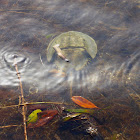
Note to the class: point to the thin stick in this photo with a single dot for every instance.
(7, 126)
(22, 99)
(34, 103)
(9, 106)
(46, 103)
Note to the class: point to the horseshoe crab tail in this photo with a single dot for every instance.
(59, 52)
(67, 60)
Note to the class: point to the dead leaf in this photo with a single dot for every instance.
(83, 102)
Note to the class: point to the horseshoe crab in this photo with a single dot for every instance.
(77, 47)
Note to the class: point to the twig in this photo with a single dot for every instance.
(22, 99)
(34, 103)
(46, 103)
(7, 126)
(9, 106)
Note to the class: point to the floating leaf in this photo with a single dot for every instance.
(83, 102)
(80, 110)
(33, 116)
(70, 116)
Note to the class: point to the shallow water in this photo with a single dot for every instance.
(110, 79)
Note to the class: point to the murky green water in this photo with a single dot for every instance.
(110, 80)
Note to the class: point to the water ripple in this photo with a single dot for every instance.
(7, 68)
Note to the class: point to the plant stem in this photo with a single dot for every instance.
(22, 99)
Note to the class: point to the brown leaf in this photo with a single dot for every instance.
(40, 122)
(83, 102)
(45, 117)
(48, 113)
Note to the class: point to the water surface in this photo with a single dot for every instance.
(111, 79)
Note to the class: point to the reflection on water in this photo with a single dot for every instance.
(110, 79)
